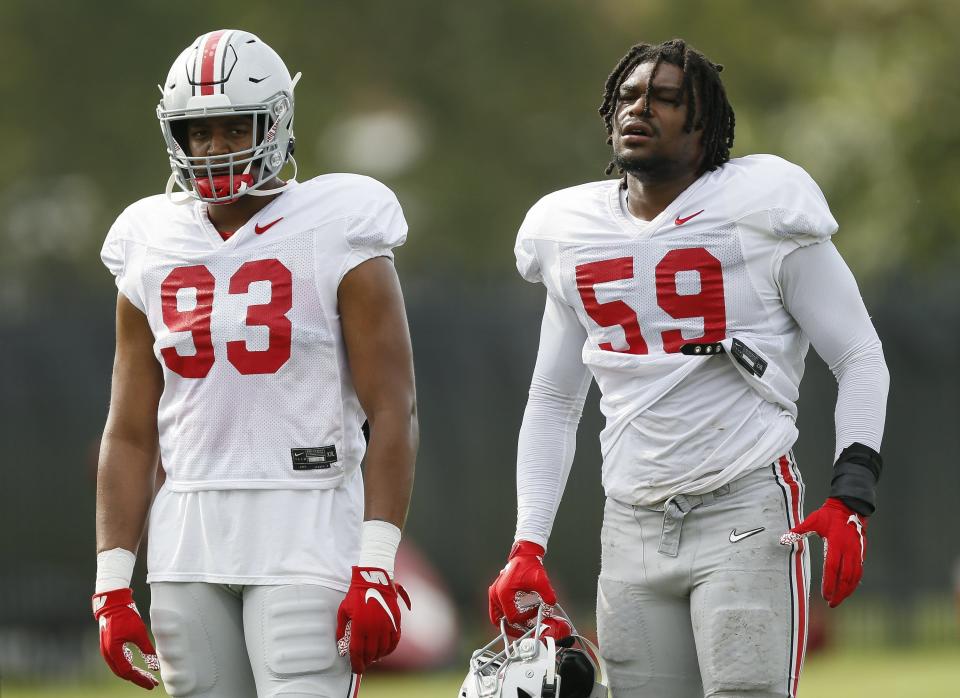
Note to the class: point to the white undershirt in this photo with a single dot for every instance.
(817, 289)
(277, 536)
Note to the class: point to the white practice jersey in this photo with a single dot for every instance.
(705, 271)
(259, 423)
(257, 391)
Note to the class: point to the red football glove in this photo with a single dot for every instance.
(520, 589)
(120, 622)
(368, 620)
(844, 534)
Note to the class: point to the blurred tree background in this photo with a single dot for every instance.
(471, 112)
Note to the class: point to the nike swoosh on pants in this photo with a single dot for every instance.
(737, 537)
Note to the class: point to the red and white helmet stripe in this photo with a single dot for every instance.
(212, 62)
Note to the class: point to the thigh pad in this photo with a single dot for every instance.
(298, 626)
(743, 632)
(188, 664)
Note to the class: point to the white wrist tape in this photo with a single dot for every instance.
(114, 570)
(379, 541)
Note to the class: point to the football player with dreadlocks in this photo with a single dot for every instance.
(690, 289)
(260, 323)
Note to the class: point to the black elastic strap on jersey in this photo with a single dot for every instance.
(855, 477)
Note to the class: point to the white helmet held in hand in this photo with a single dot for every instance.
(228, 73)
(536, 666)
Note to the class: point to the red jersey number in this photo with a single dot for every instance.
(272, 315)
(196, 321)
(614, 313)
(708, 303)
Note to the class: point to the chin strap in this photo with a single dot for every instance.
(185, 197)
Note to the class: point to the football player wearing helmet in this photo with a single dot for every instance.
(260, 324)
(535, 664)
(690, 289)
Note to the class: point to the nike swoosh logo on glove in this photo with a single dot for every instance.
(378, 597)
(855, 520)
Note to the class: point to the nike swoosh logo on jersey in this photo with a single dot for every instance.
(681, 221)
(261, 229)
(378, 597)
(737, 537)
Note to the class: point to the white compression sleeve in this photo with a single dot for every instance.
(548, 435)
(819, 291)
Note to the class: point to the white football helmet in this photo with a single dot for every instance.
(228, 72)
(534, 666)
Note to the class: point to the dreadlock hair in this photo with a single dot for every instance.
(701, 79)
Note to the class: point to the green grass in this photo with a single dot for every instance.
(887, 673)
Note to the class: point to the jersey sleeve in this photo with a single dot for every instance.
(781, 209)
(115, 255)
(527, 262)
(378, 229)
(795, 207)
(801, 209)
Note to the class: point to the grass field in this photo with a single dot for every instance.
(913, 673)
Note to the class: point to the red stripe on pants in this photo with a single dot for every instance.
(799, 586)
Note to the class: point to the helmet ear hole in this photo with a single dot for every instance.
(261, 126)
(179, 131)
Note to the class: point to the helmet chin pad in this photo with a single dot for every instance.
(577, 675)
(221, 186)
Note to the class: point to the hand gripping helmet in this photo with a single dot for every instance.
(536, 666)
(228, 73)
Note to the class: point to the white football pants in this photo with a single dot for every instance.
(230, 641)
(698, 598)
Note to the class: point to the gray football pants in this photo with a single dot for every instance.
(227, 641)
(698, 597)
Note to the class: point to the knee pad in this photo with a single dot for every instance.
(187, 662)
